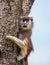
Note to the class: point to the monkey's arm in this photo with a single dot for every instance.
(29, 46)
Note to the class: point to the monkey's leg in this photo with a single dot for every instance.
(26, 61)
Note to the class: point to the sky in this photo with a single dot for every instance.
(40, 33)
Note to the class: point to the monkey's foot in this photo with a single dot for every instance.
(20, 44)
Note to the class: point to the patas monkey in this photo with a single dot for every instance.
(25, 32)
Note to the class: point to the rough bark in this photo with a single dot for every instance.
(10, 12)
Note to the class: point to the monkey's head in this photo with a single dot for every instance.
(26, 23)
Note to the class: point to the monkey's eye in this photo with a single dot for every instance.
(25, 20)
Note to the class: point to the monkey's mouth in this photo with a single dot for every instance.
(24, 26)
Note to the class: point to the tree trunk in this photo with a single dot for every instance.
(10, 12)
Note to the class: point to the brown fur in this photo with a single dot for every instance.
(29, 48)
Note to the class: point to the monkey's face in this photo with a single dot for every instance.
(26, 24)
